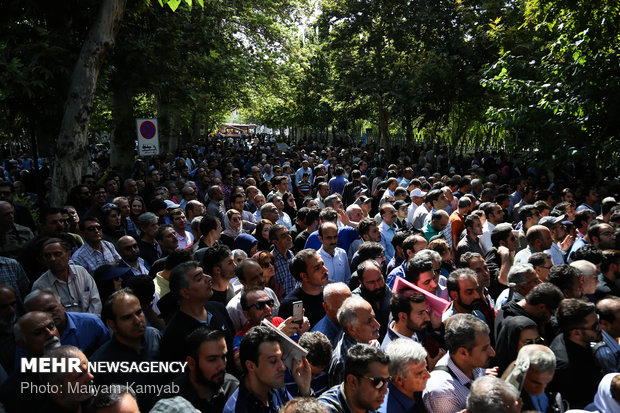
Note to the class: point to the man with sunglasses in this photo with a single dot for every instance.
(73, 284)
(365, 385)
(577, 374)
(129, 250)
(95, 252)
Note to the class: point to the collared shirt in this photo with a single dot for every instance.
(91, 259)
(398, 402)
(235, 312)
(12, 240)
(337, 265)
(336, 401)
(244, 401)
(162, 285)
(141, 270)
(12, 275)
(557, 256)
(485, 238)
(607, 353)
(283, 271)
(395, 273)
(419, 216)
(336, 184)
(387, 233)
(285, 220)
(185, 240)
(85, 331)
(445, 392)
(524, 255)
(329, 328)
(468, 244)
(79, 293)
(393, 335)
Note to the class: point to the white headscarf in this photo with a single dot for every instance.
(603, 401)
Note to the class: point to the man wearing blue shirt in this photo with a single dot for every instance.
(409, 376)
(261, 389)
(334, 295)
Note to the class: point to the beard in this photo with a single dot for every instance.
(376, 295)
(202, 379)
(472, 306)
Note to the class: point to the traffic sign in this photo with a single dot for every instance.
(148, 137)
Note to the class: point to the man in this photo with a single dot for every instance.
(218, 262)
(150, 250)
(308, 268)
(214, 207)
(457, 218)
(12, 236)
(438, 222)
(283, 217)
(205, 383)
(577, 374)
(189, 194)
(590, 199)
(166, 237)
(304, 168)
(538, 240)
(524, 279)
(411, 245)
(387, 228)
(262, 385)
(527, 200)
(541, 261)
(211, 230)
(539, 305)
(491, 394)
(368, 230)
(119, 398)
(129, 250)
(469, 349)
(373, 289)
(409, 376)
(192, 288)
(335, 258)
(365, 382)
(463, 289)
(250, 274)
(98, 199)
(322, 193)
(568, 279)
(610, 273)
(95, 252)
(540, 373)
(359, 325)
(194, 209)
(334, 295)
(471, 241)
(401, 215)
(338, 182)
(351, 188)
(82, 330)
(179, 223)
(607, 351)
(282, 242)
(417, 199)
(132, 341)
(127, 224)
(75, 286)
(500, 257)
(237, 201)
(495, 216)
(561, 241)
(529, 217)
(311, 223)
(21, 214)
(410, 317)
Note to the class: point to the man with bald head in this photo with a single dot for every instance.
(607, 351)
(83, 330)
(334, 295)
(538, 240)
(129, 250)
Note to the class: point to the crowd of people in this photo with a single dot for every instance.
(428, 281)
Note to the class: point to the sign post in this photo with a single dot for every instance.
(148, 137)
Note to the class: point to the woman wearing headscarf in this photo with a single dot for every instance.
(516, 332)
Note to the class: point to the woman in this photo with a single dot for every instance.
(289, 206)
(110, 278)
(261, 233)
(267, 262)
(516, 332)
(247, 243)
(442, 247)
(233, 227)
(111, 223)
(137, 208)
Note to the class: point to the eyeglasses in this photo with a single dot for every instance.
(93, 228)
(261, 304)
(379, 382)
(266, 264)
(595, 327)
(538, 340)
(437, 271)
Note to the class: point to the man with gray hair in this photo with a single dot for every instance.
(492, 395)
(589, 275)
(150, 250)
(540, 373)
(524, 279)
(469, 349)
(359, 325)
(334, 295)
(409, 376)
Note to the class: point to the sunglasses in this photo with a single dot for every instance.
(261, 304)
(595, 327)
(267, 264)
(379, 382)
(93, 228)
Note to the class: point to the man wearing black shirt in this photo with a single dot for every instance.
(307, 267)
(218, 262)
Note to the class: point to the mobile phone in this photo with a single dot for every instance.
(298, 312)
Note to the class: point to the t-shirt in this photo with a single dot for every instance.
(313, 304)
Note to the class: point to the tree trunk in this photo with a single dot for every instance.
(124, 137)
(71, 147)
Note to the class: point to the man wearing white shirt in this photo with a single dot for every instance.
(417, 199)
(495, 215)
(335, 258)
